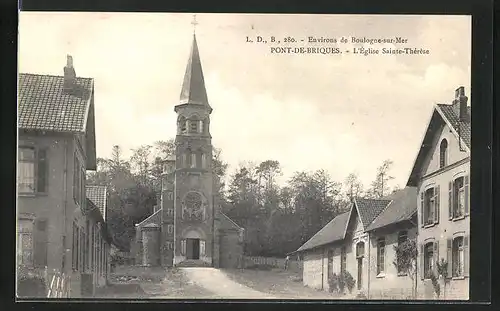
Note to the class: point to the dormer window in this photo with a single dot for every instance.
(443, 153)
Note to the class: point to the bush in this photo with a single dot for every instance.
(348, 280)
(435, 284)
(339, 282)
(30, 284)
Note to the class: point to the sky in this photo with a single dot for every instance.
(339, 112)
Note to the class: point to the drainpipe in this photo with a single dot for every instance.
(369, 267)
(322, 269)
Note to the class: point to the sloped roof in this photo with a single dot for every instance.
(98, 195)
(153, 218)
(332, 232)
(402, 207)
(227, 223)
(44, 105)
(193, 88)
(451, 113)
(369, 209)
(442, 114)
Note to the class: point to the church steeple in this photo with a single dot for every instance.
(193, 88)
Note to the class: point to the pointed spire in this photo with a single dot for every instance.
(193, 88)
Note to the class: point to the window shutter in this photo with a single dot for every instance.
(422, 267)
(450, 200)
(42, 171)
(75, 173)
(449, 256)
(436, 204)
(466, 190)
(422, 209)
(466, 255)
(436, 256)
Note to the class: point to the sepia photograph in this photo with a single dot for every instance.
(179, 156)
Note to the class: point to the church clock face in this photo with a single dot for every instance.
(194, 207)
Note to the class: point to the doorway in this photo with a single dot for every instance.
(193, 249)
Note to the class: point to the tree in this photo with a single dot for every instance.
(141, 163)
(354, 187)
(406, 261)
(380, 186)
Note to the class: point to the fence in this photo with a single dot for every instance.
(58, 284)
(293, 265)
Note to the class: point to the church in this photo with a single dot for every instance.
(188, 228)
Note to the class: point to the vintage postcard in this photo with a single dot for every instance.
(237, 156)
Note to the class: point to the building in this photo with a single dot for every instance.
(441, 174)
(189, 228)
(56, 146)
(361, 242)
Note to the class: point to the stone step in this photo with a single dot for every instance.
(192, 263)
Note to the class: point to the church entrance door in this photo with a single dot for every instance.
(193, 249)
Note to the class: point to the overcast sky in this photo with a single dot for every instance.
(344, 113)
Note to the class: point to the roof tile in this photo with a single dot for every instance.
(402, 207)
(44, 105)
(369, 209)
(332, 232)
(98, 195)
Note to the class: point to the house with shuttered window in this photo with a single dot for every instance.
(58, 227)
(441, 174)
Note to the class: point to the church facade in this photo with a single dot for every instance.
(188, 227)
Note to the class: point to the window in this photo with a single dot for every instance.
(81, 250)
(193, 126)
(25, 243)
(402, 238)
(170, 211)
(78, 181)
(428, 259)
(202, 247)
(458, 257)
(380, 255)
(75, 248)
(430, 206)
(184, 160)
(170, 229)
(201, 126)
(32, 170)
(330, 263)
(182, 125)
(458, 198)
(170, 195)
(193, 160)
(343, 259)
(443, 153)
(170, 246)
(360, 250)
(203, 160)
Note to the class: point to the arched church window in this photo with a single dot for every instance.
(184, 160)
(193, 160)
(201, 129)
(193, 126)
(203, 160)
(182, 125)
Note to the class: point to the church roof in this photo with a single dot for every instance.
(193, 88)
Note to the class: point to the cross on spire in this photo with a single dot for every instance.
(194, 23)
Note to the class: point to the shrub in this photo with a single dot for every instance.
(338, 282)
(435, 284)
(333, 283)
(349, 281)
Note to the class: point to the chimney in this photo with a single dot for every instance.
(461, 100)
(69, 74)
